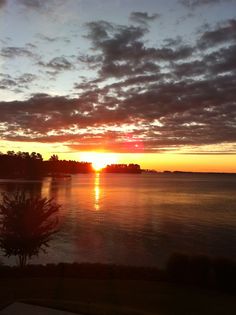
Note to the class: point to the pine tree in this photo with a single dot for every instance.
(26, 225)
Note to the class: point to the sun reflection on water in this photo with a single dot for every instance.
(97, 192)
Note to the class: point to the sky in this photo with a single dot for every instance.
(151, 82)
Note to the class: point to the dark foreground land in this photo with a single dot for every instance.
(188, 286)
(90, 296)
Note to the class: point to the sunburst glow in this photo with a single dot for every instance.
(99, 160)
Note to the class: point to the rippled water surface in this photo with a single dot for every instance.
(138, 219)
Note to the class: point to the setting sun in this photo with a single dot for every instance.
(99, 160)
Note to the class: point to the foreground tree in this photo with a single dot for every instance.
(26, 225)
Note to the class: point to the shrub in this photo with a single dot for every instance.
(26, 225)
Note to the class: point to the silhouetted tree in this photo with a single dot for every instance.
(55, 167)
(122, 168)
(54, 158)
(21, 165)
(26, 225)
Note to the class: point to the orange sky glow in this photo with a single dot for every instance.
(184, 161)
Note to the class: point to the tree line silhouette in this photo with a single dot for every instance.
(32, 166)
(123, 168)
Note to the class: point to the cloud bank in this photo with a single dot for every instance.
(142, 99)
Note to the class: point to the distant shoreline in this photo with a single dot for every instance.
(200, 173)
(68, 176)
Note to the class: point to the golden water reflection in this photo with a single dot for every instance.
(97, 192)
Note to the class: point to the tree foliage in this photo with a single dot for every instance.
(26, 225)
(32, 166)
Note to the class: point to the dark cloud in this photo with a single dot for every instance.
(144, 98)
(22, 81)
(99, 30)
(192, 4)
(3, 3)
(34, 4)
(222, 60)
(168, 54)
(91, 62)
(225, 32)
(173, 41)
(30, 46)
(164, 114)
(123, 51)
(49, 39)
(48, 8)
(215, 63)
(6, 84)
(143, 17)
(189, 69)
(12, 52)
(26, 78)
(58, 64)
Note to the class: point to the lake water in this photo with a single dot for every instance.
(138, 219)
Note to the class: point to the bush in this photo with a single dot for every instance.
(26, 225)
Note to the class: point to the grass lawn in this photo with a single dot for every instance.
(116, 296)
